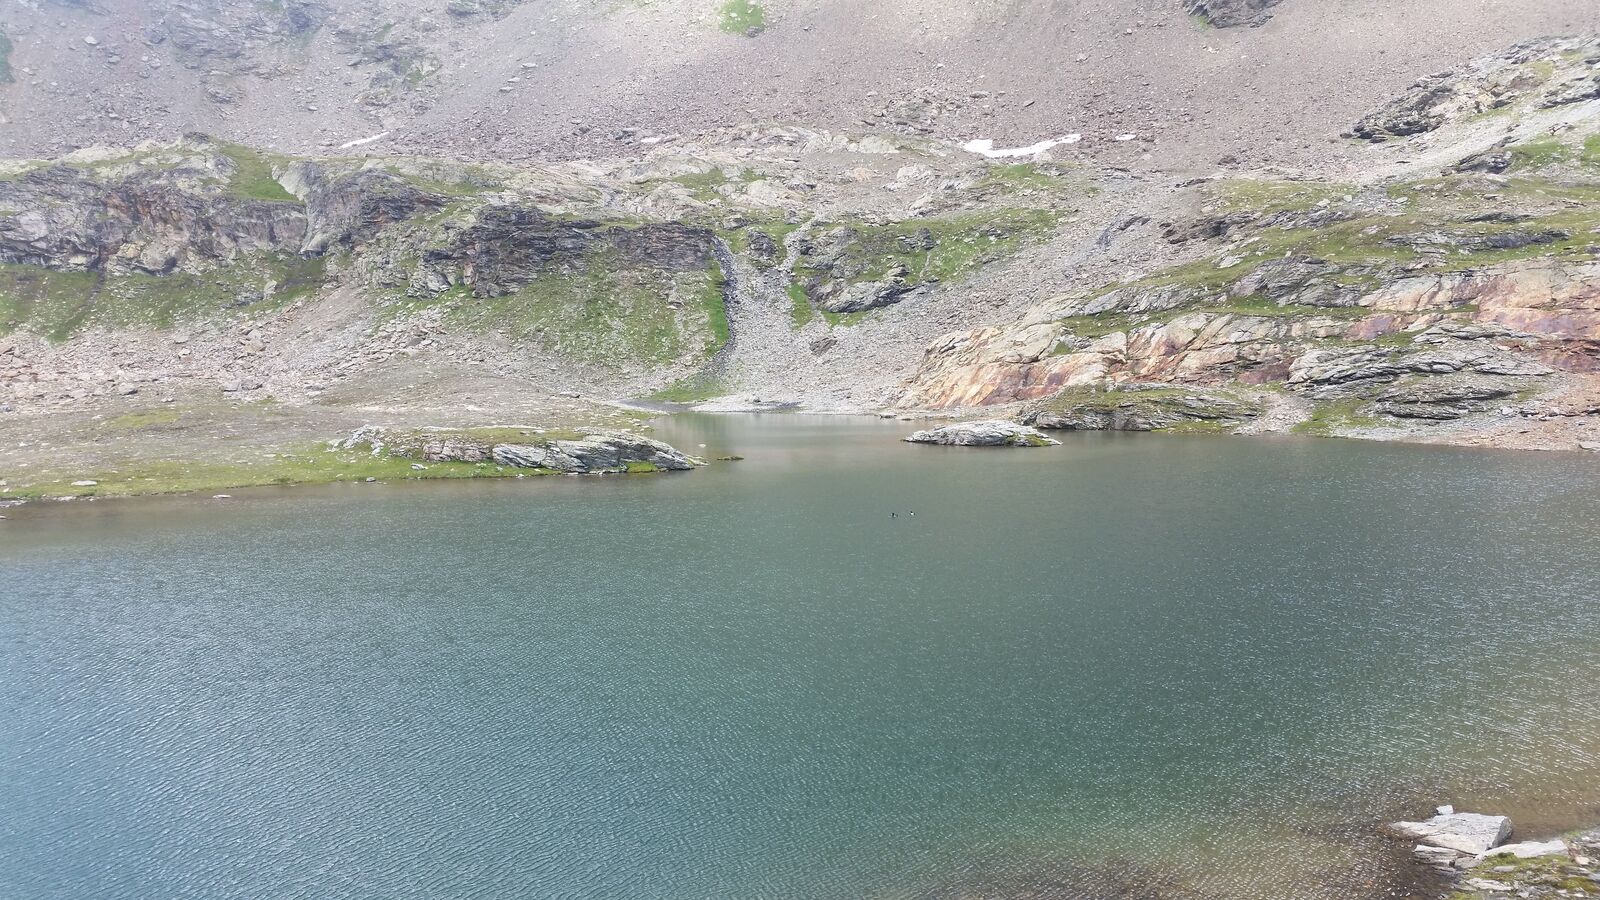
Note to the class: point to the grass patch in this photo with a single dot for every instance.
(316, 465)
(932, 249)
(252, 176)
(1590, 154)
(1539, 153)
(601, 309)
(1331, 418)
(694, 389)
(1026, 177)
(58, 305)
(800, 309)
(714, 301)
(1273, 196)
(703, 185)
(742, 17)
(139, 421)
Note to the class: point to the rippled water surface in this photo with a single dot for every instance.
(1167, 666)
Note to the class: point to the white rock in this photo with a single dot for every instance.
(91, 40)
(1531, 849)
(1466, 832)
(995, 433)
(85, 483)
(1446, 810)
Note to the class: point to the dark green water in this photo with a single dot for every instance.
(1208, 664)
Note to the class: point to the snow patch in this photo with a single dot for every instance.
(985, 147)
(359, 142)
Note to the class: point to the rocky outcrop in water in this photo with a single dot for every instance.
(1462, 832)
(585, 453)
(994, 433)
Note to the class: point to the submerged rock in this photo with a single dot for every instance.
(994, 433)
(1464, 832)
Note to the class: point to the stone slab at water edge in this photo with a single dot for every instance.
(995, 433)
(1462, 832)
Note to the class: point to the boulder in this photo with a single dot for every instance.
(1463, 832)
(993, 433)
(1532, 849)
(1228, 13)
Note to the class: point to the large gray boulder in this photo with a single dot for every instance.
(1463, 832)
(995, 433)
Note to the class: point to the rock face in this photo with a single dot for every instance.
(505, 247)
(1463, 832)
(1545, 73)
(350, 208)
(67, 219)
(994, 433)
(1412, 348)
(1228, 13)
(1138, 410)
(587, 454)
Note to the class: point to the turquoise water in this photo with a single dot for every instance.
(1162, 666)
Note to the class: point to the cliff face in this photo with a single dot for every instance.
(68, 218)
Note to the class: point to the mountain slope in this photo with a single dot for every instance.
(566, 79)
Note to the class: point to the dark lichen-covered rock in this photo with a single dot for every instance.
(153, 219)
(1541, 73)
(504, 247)
(350, 208)
(1228, 13)
(1445, 397)
(1297, 281)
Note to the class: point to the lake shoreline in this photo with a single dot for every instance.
(174, 463)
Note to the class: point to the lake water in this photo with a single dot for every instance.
(1163, 666)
